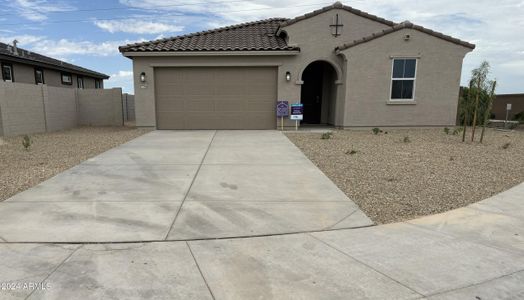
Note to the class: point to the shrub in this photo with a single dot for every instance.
(376, 130)
(446, 130)
(519, 117)
(27, 142)
(406, 139)
(327, 135)
(506, 145)
(457, 130)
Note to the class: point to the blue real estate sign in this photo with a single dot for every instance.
(282, 109)
(297, 112)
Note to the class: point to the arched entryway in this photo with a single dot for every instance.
(318, 94)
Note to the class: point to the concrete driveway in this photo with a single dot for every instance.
(205, 185)
(476, 252)
(182, 185)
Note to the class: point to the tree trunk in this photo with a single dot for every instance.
(476, 111)
(488, 109)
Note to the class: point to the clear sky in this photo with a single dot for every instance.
(88, 33)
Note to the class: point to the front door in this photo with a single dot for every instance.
(311, 94)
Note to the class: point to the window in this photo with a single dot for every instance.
(39, 76)
(80, 82)
(7, 72)
(98, 83)
(403, 79)
(67, 78)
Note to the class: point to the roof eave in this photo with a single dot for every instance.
(213, 53)
(401, 26)
(25, 60)
(338, 5)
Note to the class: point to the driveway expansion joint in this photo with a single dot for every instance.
(55, 269)
(368, 266)
(191, 184)
(200, 270)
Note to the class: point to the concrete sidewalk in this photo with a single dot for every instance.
(470, 253)
(182, 185)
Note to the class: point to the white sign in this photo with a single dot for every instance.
(296, 117)
(508, 106)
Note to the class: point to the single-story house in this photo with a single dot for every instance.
(20, 65)
(500, 105)
(347, 67)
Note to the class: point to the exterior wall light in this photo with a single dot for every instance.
(288, 76)
(143, 77)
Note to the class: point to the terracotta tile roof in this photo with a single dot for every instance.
(403, 25)
(33, 58)
(252, 36)
(338, 5)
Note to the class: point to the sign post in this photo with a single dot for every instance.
(297, 113)
(508, 108)
(282, 111)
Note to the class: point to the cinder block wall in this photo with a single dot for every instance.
(30, 108)
(128, 101)
(22, 108)
(97, 107)
(1, 123)
(60, 108)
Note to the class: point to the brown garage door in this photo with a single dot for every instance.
(216, 97)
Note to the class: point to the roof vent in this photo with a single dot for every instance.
(15, 49)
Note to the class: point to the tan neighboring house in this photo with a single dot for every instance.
(347, 67)
(19, 65)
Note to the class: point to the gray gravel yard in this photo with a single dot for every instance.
(52, 153)
(393, 180)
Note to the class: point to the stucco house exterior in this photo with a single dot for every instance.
(347, 67)
(20, 65)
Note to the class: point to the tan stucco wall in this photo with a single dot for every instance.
(364, 72)
(314, 38)
(25, 73)
(145, 93)
(369, 68)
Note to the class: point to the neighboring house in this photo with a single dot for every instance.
(348, 68)
(19, 65)
(500, 105)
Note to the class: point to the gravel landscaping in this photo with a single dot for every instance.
(408, 173)
(52, 153)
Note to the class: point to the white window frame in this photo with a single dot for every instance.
(66, 75)
(413, 78)
(80, 82)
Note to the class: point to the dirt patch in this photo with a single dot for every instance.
(52, 153)
(408, 173)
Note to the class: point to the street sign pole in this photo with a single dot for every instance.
(508, 108)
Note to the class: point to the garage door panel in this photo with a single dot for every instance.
(258, 107)
(199, 106)
(171, 119)
(216, 98)
(230, 103)
(169, 104)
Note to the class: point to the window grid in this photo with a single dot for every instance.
(403, 84)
